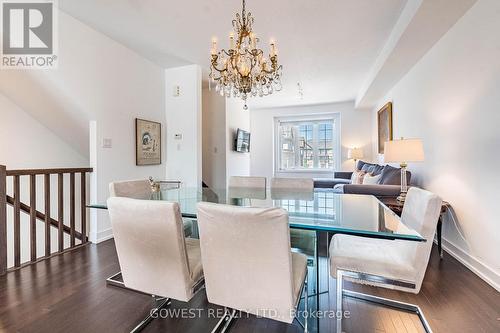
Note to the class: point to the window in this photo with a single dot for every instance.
(307, 143)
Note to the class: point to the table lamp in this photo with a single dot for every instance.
(355, 154)
(403, 151)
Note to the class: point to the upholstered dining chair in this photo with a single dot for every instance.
(138, 189)
(393, 264)
(248, 262)
(296, 189)
(246, 181)
(141, 189)
(299, 184)
(155, 258)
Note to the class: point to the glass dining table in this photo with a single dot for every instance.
(321, 213)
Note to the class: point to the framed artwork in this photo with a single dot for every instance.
(384, 125)
(147, 142)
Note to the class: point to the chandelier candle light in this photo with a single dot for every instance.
(242, 70)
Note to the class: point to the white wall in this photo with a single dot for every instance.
(98, 80)
(184, 116)
(355, 132)
(237, 164)
(24, 144)
(451, 100)
(114, 85)
(214, 139)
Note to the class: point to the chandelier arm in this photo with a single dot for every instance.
(214, 66)
(225, 52)
(219, 70)
(268, 71)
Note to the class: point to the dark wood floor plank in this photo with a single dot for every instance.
(68, 294)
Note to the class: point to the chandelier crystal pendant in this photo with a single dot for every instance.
(243, 70)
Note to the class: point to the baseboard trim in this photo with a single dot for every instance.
(101, 236)
(475, 265)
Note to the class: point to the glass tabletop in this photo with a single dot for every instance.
(361, 215)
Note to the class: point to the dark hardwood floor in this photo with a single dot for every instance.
(68, 294)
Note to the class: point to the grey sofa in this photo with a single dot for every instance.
(389, 184)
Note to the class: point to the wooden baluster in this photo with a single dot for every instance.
(17, 223)
(47, 215)
(72, 208)
(3, 220)
(33, 217)
(60, 211)
(83, 189)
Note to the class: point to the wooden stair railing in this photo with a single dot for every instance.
(35, 215)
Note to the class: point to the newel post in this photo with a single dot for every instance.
(3, 220)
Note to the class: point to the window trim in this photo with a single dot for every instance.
(337, 148)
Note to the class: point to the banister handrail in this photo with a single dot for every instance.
(28, 172)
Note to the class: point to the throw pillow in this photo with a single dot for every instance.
(391, 176)
(357, 177)
(369, 179)
(360, 164)
(368, 168)
(377, 169)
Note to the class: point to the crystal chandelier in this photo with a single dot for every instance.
(243, 70)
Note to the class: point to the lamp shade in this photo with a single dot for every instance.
(355, 153)
(404, 150)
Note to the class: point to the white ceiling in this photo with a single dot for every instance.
(328, 46)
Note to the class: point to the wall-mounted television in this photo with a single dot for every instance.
(242, 141)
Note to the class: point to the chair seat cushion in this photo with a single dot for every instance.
(194, 258)
(380, 257)
(299, 269)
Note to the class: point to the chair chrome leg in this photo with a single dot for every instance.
(226, 320)
(159, 303)
(115, 280)
(339, 293)
(306, 305)
(375, 299)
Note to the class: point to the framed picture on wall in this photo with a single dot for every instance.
(147, 142)
(384, 125)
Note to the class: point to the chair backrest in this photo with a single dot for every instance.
(137, 189)
(246, 258)
(298, 184)
(421, 212)
(244, 181)
(149, 239)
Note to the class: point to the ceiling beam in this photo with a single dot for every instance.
(421, 24)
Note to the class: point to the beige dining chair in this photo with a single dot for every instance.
(393, 264)
(154, 256)
(138, 189)
(298, 184)
(141, 189)
(248, 263)
(248, 182)
(301, 189)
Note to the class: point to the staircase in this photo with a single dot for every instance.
(77, 238)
